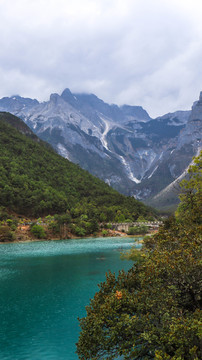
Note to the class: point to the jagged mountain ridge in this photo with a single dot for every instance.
(123, 146)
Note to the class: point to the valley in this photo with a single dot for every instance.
(55, 197)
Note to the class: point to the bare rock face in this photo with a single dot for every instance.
(196, 113)
(193, 130)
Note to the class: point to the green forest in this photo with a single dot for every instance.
(36, 182)
(153, 311)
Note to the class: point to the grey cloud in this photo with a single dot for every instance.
(144, 52)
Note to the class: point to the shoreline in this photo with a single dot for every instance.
(124, 235)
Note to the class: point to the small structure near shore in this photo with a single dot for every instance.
(152, 225)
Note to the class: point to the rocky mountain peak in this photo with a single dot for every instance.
(196, 113)
(68, 97)
(135, 111)
(54, 98)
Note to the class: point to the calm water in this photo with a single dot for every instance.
(44, 289)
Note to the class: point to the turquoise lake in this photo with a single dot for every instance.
(45, 287)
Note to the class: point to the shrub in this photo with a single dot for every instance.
(6, 234)
(12, 224)
(38, 231)
(80, 231)
(54, 227)
(104, 233)
(137, 230)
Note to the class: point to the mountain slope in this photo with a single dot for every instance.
(135, 154)
(35, 180)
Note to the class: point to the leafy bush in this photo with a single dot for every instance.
(138, 230)
(6, 234)
(12, 224)
(38, 231)
(79, 231)
(54, 227)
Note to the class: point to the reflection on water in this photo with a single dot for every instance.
(44, 289)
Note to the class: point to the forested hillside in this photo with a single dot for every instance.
(35, 181)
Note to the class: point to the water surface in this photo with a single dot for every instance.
(44, 289)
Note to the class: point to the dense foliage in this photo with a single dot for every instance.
(153, 310)
(38, 231)
(136, 230)
(35, 181)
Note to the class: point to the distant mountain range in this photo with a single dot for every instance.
(124, 146)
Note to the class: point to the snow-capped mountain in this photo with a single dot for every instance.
(123, 146)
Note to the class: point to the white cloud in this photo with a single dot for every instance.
(144, 52)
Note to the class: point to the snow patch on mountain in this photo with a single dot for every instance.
(107, 127)
(153, 172)
(128, 171)
(63, 151)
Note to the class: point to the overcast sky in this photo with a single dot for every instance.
(138, 52)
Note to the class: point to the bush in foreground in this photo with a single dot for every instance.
(153, 311)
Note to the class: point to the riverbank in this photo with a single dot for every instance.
(23, 235)
(18, 228)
